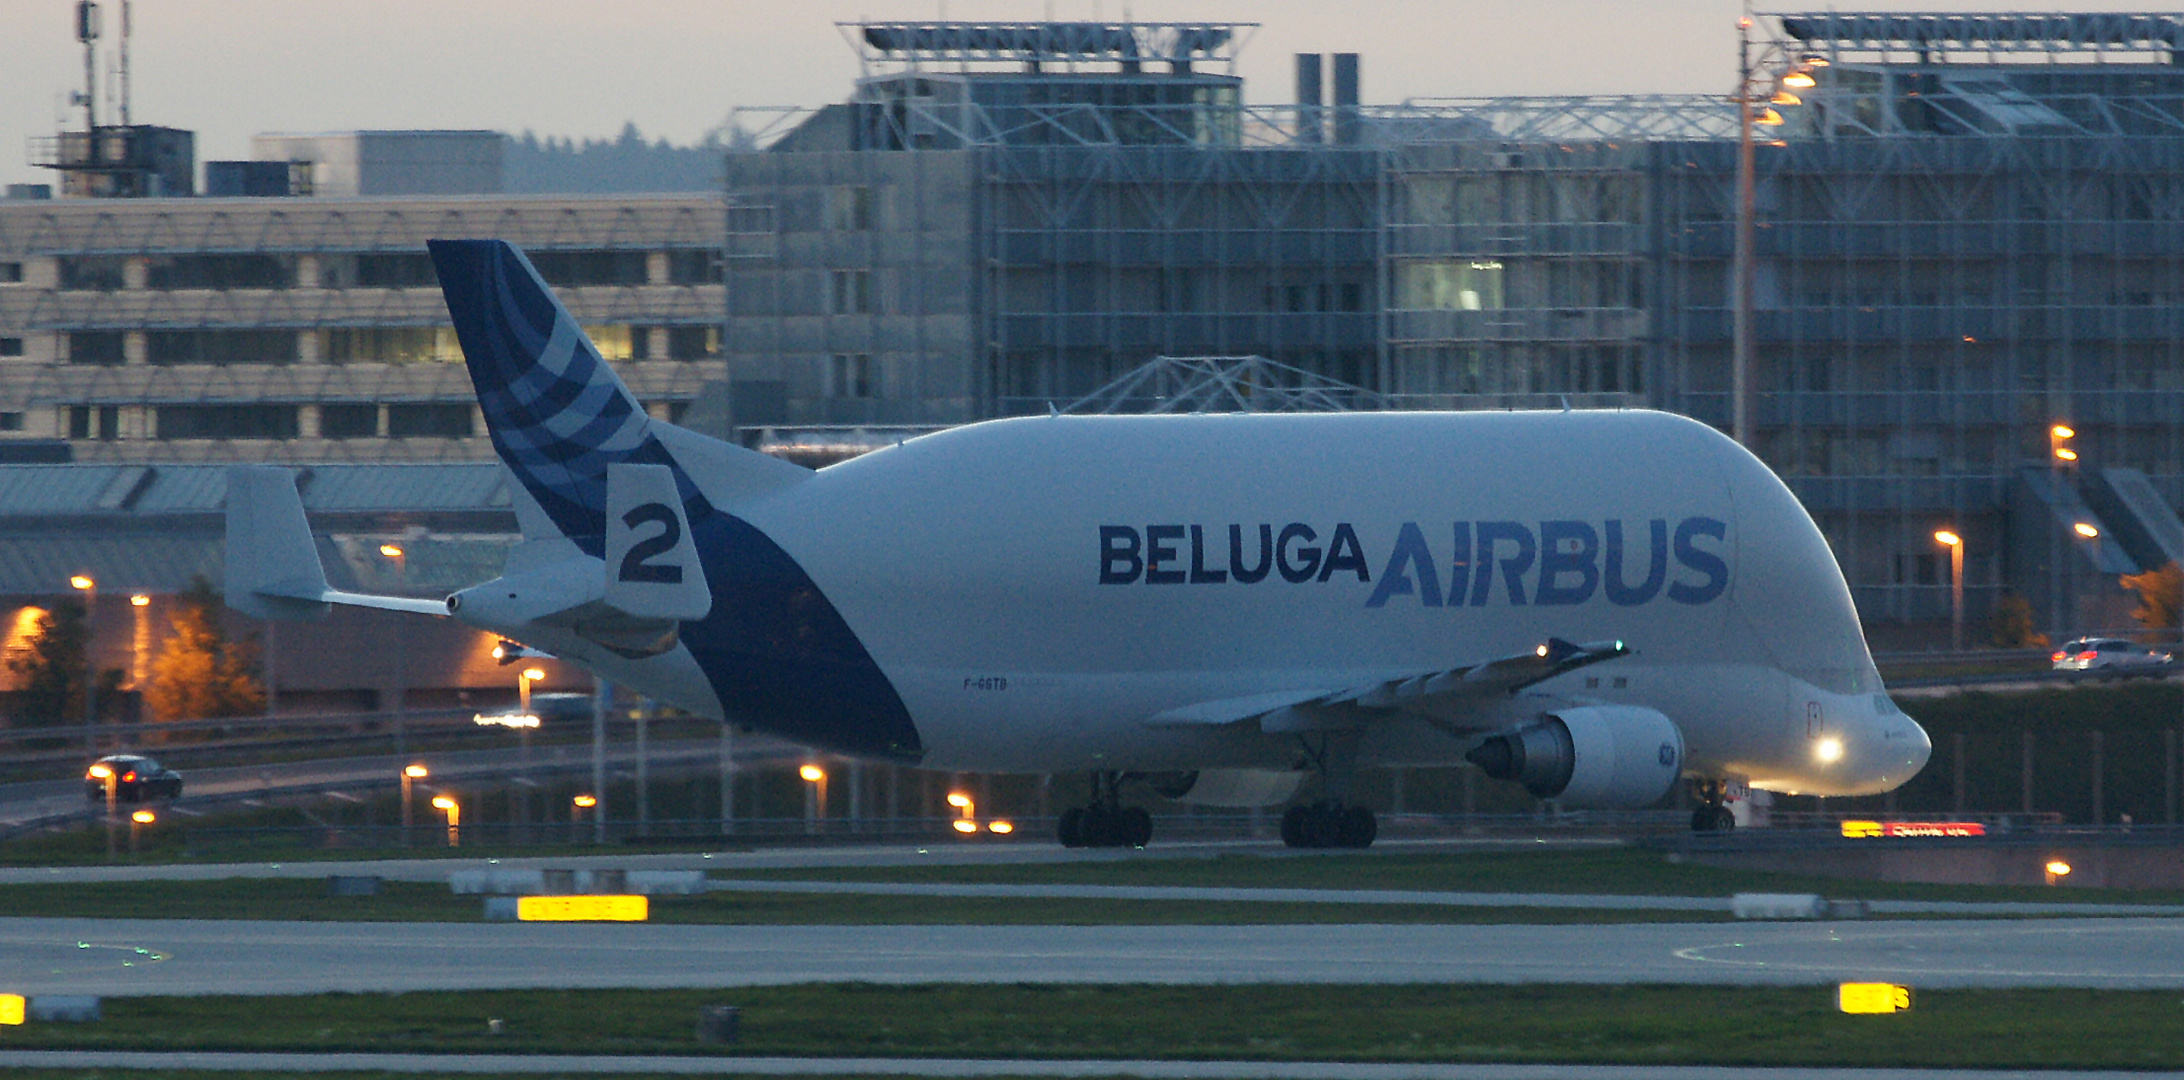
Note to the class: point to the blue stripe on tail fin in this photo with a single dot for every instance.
(556, 412)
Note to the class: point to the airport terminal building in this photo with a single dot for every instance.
(1967, 229)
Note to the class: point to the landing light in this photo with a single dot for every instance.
(1829, 751)
(1542, 650)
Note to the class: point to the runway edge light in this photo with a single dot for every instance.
(1872, 998)
(11, 1009)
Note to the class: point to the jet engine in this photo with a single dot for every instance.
(1229, 787)
(1597, 756)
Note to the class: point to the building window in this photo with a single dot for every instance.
(395, 270)
(348, 421)
(94, 347)
(90, 273)
(11, 421)
(613, 342)
(590, 267)
(694, 267)
(1449, 285)
(849, 208)
(101, 422)
(393, 345)
(849, 375)
(850, 292)
(11, 273)
(171, 347)
(750, 219)
(429, 421)
(11, 346)
(226, 422)
(693, 342)
(247, 271)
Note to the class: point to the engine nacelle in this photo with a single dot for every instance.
(1595, 756)
(1230, 787)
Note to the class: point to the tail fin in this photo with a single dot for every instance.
(557, 414)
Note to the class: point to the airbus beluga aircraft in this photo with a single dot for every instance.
(1228, 608)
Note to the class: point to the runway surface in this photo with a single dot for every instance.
(127, 957)
(980, 1067)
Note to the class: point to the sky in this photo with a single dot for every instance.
(229, 69)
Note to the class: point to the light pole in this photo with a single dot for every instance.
(815, 797)
(410, 774)
(1955, 544)
(447, 804)
(104, 772)
(524, 680)
(137, 821)
(84, 584)
(140, 638)
(2088, 531)
(577, 806)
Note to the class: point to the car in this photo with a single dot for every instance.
(2110, 658)
(136, 778)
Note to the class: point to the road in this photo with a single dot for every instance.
(128, 957)
(21, 803)
(1090, 1068)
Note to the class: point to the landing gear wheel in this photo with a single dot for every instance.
(1134, 827)
(1724, 820)
(1329, 825)
(1359, 827)
(1070, 830)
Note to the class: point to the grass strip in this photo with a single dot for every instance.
(1616, 870)
(1627, 1025)
(407, 901)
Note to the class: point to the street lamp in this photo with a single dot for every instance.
(815, 796)
(84, 584)
(524, 679)
(104, 772)
(137, 821)
(1955, 544)
(2085, 530)
(410, 773)
(454, 813)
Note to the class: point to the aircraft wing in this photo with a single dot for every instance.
(1294, 710)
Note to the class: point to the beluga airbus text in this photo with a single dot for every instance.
(1594, 604)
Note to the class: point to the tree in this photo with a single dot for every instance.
(49, 670)
(2013, 624)
(2159, 598)
(200, 673)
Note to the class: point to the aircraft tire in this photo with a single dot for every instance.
(1359, 827)
(1070, 829)
(1135, 827)
(1293, 826)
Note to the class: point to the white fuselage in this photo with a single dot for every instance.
(1036, 590)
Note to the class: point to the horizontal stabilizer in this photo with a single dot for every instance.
(273, 569)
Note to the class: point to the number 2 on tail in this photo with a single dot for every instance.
(636, 565)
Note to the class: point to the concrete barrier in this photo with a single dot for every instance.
(1778, 906)
(603, 882)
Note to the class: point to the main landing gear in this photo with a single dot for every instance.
(1106, 822)
(1331, 822)
(1713, 814)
